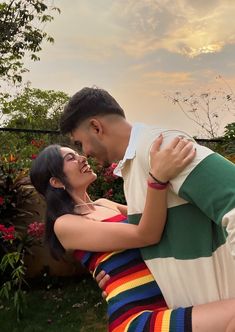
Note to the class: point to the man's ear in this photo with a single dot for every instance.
(96, 126)
(56, 183)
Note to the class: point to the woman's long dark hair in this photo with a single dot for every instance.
(49, 163)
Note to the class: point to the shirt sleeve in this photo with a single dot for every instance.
(209, 183)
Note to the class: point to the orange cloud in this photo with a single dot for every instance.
(181, 27)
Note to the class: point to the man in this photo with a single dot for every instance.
(194, 261)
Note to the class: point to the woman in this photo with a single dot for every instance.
(97, 232)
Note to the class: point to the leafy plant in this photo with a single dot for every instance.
(229, 141)
(15, 239)
(14, 245)
(107, 184)
(12, 269)
(21, 32)
(30, 109)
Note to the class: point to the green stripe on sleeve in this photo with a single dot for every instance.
(211, 186)
(188, 234)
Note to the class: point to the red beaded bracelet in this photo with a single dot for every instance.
(158, 186)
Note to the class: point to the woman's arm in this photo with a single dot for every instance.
(78, 232)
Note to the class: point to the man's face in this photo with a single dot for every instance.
(91, 145)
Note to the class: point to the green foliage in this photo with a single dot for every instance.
(15, 160)
(21, 32)
(30, 109)
(71, 305)
(12, 270)
(229, 141)
(33, 108)
(13, 246)
(10, 173)
(107, 184)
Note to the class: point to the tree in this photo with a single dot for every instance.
(31, 109)
(229, 141)
(207, 109)
(21, 33)
(34, 108)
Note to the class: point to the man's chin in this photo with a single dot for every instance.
(103, 163)
(106, 163)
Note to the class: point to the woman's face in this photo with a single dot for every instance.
(76, 168)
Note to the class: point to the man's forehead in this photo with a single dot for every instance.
(75, 134)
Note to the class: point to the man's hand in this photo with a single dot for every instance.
(168, 162)
(101, 280)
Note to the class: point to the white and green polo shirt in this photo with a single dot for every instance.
(195, 260)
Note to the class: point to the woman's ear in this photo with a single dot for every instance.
(56, 183)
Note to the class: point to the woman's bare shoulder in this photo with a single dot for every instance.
(65, 221)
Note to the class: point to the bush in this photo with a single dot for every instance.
(15, 240)
(107, 184)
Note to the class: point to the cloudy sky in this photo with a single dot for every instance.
(141, 51)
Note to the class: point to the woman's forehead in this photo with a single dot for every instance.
(65, 150)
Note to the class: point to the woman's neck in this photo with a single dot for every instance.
(83, 203)
(80, 197)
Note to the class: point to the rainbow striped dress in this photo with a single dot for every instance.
(135, 302)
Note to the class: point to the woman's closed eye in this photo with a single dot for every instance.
(70, 156)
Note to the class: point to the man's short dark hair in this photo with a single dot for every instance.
(86, 103)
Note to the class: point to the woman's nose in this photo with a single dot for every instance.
(82, 159)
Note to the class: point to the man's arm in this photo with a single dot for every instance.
(209, 183)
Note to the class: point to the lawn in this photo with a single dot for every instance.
(58, 305)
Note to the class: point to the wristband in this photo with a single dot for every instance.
(156, 180)
(158, 186)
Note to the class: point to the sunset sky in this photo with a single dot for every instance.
(140, 51)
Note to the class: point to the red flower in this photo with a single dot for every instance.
(108, 173)
(36, 229)
(2, 228)
(33, 156)
(1, 200)
(37, 143)
(109, 193)
(7, 237)
(8, 233)
(11, 229)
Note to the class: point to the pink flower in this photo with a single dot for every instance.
(1, 200)
(36, 229)
(113, 165)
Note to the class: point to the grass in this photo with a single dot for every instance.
(64, 305)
